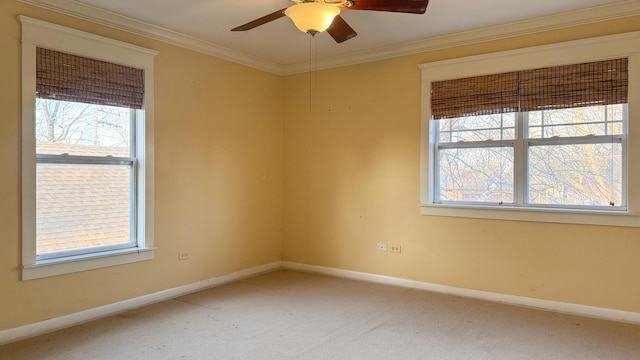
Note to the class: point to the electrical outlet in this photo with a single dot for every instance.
(183, 255)
(394, 248)
(381, 247)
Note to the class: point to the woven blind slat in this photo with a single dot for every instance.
(559, 87)
(67, 77)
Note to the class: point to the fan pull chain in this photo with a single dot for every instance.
(310, 68)
(313, 65)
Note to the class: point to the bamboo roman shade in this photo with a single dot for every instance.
(558, 87)
(62, 76)
(472, 96)
(561, 87)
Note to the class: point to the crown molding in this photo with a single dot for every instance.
(124, 23)
(553, 22)
(531, 26)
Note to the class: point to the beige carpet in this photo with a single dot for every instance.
(293, 315)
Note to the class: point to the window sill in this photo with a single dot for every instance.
(562, 216)
(60, 266)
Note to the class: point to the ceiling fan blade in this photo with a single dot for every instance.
(341, 31)
(404, 6)
(261, 21)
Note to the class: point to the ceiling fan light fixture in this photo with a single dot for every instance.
(312, 17)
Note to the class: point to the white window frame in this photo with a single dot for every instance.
(580, 51)
(37, 33)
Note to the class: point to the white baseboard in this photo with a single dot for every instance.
(548, 305)
(45, 326)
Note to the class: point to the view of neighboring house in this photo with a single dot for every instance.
(83, 205)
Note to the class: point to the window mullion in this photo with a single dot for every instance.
(476, 144)
(520, 161)
(625, 158)
(436, 173)
(74, 159)
(577, 140)
(133, 195)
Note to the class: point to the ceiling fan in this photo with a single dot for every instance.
(314, 16)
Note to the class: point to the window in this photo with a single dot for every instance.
(85, 201)
(552, 137)
(573, 158)
(87, 151)
(545, 140)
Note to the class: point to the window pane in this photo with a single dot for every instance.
(82, 129)
(476, 128)
(476, 174)
(581, 174)
(80, 206)
(584, 121)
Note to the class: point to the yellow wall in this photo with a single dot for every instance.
(218, 177)
(352, 179)
(240, 154)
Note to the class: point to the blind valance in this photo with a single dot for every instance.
(558, 87)
(67, 77)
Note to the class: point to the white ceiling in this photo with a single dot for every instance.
(281, 44)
